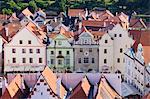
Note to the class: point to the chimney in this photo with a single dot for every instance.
(55, 19)
(116, 13)
(6, 30)
(86, 12)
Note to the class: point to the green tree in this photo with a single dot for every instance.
(32, 5)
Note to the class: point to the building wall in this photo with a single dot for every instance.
(1, 48)
(105, 53)
(121, 41)
(135, 73)
(85, 49)
(25, 36)
(86, 54)
(60, 44)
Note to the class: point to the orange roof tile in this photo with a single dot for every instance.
(137, 23)
(13, 27)
(93, 23)
(27, 12)
(50, 78)
(105, 87)
(15, 85)
(146, 54)
(76, 12)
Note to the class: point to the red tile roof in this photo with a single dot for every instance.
(13, 27)
(50, 78)
(137, 23)
(142, 37)
(27, 12)
(81, 90)
(76, 12)
(14, 86)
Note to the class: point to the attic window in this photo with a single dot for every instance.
(48, 89)
(38, 83)
(41, 80)
(35, 89)
(45, 83)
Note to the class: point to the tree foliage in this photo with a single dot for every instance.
(140, 6)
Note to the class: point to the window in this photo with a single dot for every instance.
(105, 51)
(85, 41)
(106, 41)
(34, 89)
(93, 61)
(121, 50)
(29, 41)
(20, 42)
(40, 60)
(120, 35)
(59, 52)
(23, 50)
(13, 50)
(30, 60)
(23, 60)
(67, 61)
(13, 60)
(52, 52)
(59, 62)
(30, 50)
(105, 61)
(52, 61)
(115, 35)
(59, 43)
(90, 49)
(86, 60)
(67, 52)
(37, 50)
(79, 60)
(118, 60)
(81, 50)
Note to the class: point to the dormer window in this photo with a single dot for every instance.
(20, 42)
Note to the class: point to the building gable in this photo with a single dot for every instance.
(25, 35)
(42, 90)
(60, 41)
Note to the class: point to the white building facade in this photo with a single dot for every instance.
(25, 52)
(121, 42)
